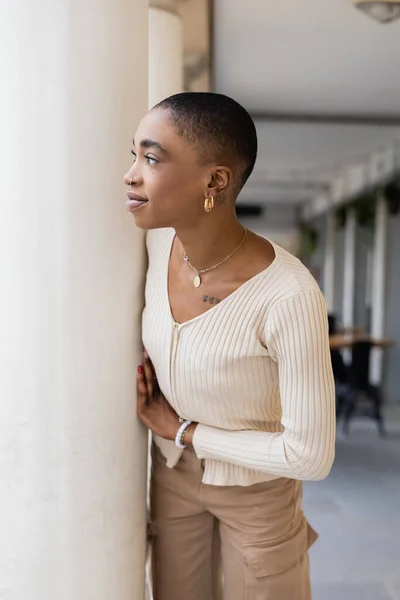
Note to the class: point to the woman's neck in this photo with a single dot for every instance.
(211, 241)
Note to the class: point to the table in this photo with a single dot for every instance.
(339, 341)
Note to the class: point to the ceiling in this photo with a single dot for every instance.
(297, 161)
(323, 83)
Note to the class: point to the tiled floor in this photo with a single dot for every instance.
(357, 514)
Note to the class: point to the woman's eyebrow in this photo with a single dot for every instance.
(147, 144)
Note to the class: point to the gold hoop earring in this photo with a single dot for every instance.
(209, 203)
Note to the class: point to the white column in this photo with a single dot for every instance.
(349, 269)
(72, 454)
(165, 51)
(329, 261)
(165, 79)
(379, 286)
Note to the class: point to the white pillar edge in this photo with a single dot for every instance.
(329, 261)
(379, 288)
(166, 74)
(165, 55)
(349, 269)
(349, 275)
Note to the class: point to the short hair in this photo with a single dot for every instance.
(221, 128)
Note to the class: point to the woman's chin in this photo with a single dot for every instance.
(146, 221)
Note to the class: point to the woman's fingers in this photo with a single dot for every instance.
(142, 397)
(150, 379)
(148, 375)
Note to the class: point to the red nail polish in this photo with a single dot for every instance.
(140, 370)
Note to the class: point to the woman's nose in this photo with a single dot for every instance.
(132, 177)
(128, 179)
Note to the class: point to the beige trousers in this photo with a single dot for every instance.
(256, 536)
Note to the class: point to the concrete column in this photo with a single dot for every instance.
(165, 51)
(379, 286)
(165, 79)
(72, 454)
(349, 269)
(329, 262)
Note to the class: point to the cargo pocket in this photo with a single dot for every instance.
(265, 559)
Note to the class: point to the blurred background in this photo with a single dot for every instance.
(322, 82)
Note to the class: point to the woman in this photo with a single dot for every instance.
(236, 382)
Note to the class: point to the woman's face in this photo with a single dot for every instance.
(167, 183)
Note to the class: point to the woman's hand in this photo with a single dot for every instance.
(153, 409)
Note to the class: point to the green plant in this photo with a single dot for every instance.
(392, 195)
(365, 205)
(341, 217)
(364, 208)
(309, 239)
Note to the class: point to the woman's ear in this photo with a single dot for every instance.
(219, 181)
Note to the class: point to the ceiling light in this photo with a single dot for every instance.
(383, 11)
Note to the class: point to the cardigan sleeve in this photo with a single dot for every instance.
(297, 339)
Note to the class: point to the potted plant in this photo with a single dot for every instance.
(392, 195)
(309, 239)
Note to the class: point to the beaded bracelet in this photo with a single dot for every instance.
(182, 440)
(179, 435)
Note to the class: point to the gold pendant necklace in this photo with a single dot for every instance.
(197, 278)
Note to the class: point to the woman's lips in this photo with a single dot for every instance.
(134, 201)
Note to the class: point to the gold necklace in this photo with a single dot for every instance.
(197, 279)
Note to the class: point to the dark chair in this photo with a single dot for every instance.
(339, 368)
(359, 386)
(342, 387)
(340, 371)
(332, 324)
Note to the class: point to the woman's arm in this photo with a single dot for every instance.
(297, 338)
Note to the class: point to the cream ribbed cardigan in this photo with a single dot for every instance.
(254, 371)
